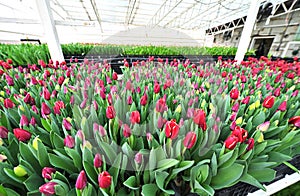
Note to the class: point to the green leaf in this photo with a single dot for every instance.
(11, 192)
(247, 178)
(46, 125)
(149, 189)
(263, 175)
(131, 183)
(184, 165)
(76, 157)
(2, 191)
(261, 165)
(108, 151)
(205, 188)
(42, 154)
(56, 141)
(33, 182)
(278, 157)
(166, 163)
(27, 153)
(10, 173)
(227, 176)
(63, 163)
(259, 119)
(214, 165)
(90, 172)
(160, 178)
(115, 168)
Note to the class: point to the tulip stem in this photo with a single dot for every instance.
(169, 146)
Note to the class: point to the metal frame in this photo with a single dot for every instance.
(96, 12)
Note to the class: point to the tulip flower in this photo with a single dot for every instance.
(9, 80)
(98, 160)
(8, 103)
(144, 99)
(46, 93)
(138, 158)
(67, 124)
(3, 132)
(45, 110)
(291, 75)
(224, 74)
(61, 80)
(231, 142)
(156, 88)
(234, 93)
(246, 100)
(20, 171)
(47, 172)
(48, 188)
(2, 157)
(129, 100)
(115, 76)
(235, 107)
(250, 143)
(295, 121)
(200, 118)
(264, 126)
(126, 131)
(110, 112)
(161, 122)
(190, 140)
(240, 133)
(24, 121)
(81, 181)
(282, 106)
(277, 92)
(69, 141)
(233, 116)
(269, 102)
(104, 180)
(172, 129)
(135, 117)
(21, 134)
(161, 105)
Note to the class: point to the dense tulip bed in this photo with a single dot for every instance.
(165, 127)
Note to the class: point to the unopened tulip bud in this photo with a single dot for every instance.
(138, 158)
(98, 161)
(20, 171)
(190, 140)
(264, 126)
(47, 172)
(35, 143)
(81, 181)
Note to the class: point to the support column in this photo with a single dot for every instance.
(48, 24)
(247, 31)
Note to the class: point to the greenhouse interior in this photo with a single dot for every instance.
(149, 97)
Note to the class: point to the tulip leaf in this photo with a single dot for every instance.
(149, 189)
(247, 178)
(272, 132)
(4, 121)
(263, 175)
(227, 176)
(166, 163)
(2, 191)
(260, 147)
(76, 157)
(203, 189)
(46, 125)
(261, 165)
(90, 172)
(56, 141)
(226, 162)
(160, 178)
(63, 163)
(108, 151)
(115, 168)
(214, 164)
(42, 155)
(33, 182)
(27, 152)
(60, 176)
(259, 119)
(11, 192)
(131, 183)
(278, 157)
(10, 173)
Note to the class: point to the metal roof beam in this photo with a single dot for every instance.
(131, 11)
(97, 14)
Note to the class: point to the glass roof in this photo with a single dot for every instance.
(96, 20)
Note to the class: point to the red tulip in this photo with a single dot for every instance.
(9, 61)
(32, 121)
(269, 102)
(9, 80)
(233, 116)
(156, 88)
(129, 100)
(81, 181)
(277, 92)
(67, 124)
(235, 107)
(126, 131)
(250, 143)
(231, 142)
(48, 188)
(61, 80)
(246, 100)
(295, 121)
(104, 180)
(161, 122)
(161, 105)
(224, 74)
(47, 172)
(98, 161)
(282, 106)
(240, 133)
(138, 158)
(3, 132)
(200, 119)
(144, 100)
(8, 103)
(69, 141)
(24, 121)
(172, 129)
(45, 110)
(291, 75)
(115, 76)
(243, 79)
(190, 140)
(135, 117)
(234, 93)
(21, 134)
(110, 112)
(34, 109)
(46, 93)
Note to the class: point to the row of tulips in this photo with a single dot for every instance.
(167, 127)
